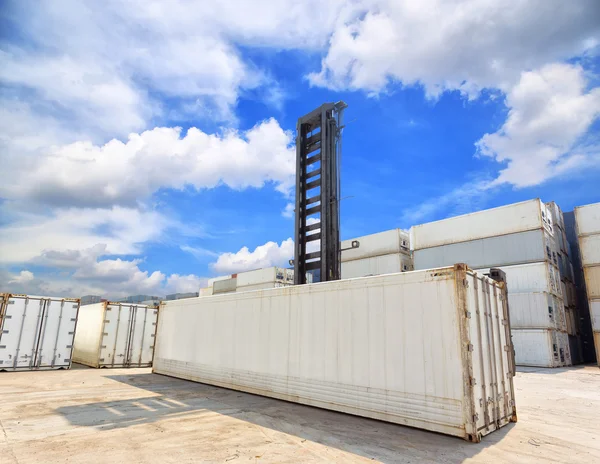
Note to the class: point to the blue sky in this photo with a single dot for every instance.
(452, 108)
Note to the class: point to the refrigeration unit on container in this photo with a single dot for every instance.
(503, 250)
(509, 219)
(539, 347)
(428, 349)
(36, 332)
(382, 243)
(116, 335)
(376, 265)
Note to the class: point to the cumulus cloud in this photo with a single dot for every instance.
(22, 277)
(550, 109)
(448, 45)
(122, 173)
(288, 211)
(269, 254)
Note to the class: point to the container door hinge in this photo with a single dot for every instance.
(475, 417)
(472, 381)
(470, 347)
(468, 314)
(465, 282)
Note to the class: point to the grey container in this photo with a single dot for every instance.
(504, 250)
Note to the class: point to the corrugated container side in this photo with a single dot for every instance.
(590, 249)
(88, 336)
(505, 250)
(207, 291)
(386, 264)
(535, 277)
(536, 310)
(587, 219)
(592, 281)
(225, 286)
(509, 219)
(595, 314)
(536, 347)
(356, 346)
(259, 276)
(383, 243)
(212, 281)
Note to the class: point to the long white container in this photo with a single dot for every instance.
(534, 277)
(509, 219)
(36, 332)
(589, 246)
(538, 347)
(426, 349)
(595, 314)
(592, 281)
(377, 265)
(382, 243)
(503, 250)
(261, 276)
(115, 335)
(587, 219)
(536, 310)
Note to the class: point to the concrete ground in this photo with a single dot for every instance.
(134, 416)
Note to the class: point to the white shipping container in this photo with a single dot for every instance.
(557, 214)
(263, 286)
(509, 219)
(207, 291)
(537, 347)
(535, 277)
(212, 281)
(589, 246)
(564, 349)
(260, 276)
(592, 282)
(225, 285)
(536, 310)
(426, 349)
(595, 315)
(116, 335)
(587, 219)
(383, 243)
(504, 250)
(36, 332)
(377, 265)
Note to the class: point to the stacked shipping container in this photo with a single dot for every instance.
(566, 272)
(587, 219)
(258, 279)
(519, 239)
(382, 253)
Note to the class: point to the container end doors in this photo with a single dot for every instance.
(128, 336)
(141, 348)
(37, 333)
(57, 333)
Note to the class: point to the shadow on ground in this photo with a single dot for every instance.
(176, 398)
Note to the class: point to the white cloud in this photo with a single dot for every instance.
(269, 254)
(449, 45)
(116, 230)
(550, 110)
(288, 211)
(84, 174)
(22, 277)
(184, 283)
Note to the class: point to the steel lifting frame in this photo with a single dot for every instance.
(318, 146)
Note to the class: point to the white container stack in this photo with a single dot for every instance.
(382, 253)
(258, 279)
(426, 349)
(115, 335)
(587, 219)
(36, 332)
(567, 278)
(519, 239)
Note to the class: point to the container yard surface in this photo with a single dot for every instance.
(134, 416)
